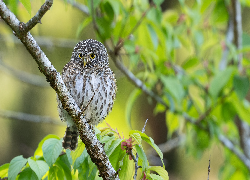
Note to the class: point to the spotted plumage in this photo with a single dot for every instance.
(91, 83)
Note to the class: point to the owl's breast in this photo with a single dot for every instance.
(95, 94)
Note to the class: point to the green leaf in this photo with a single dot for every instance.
(107, 140)
(191, 62)
(172, 121)
(27, 5)
(108, 10)
(153, 36)
(52, 148)
(16, 164)
(113, 146)
(85, 22)
(219, 81)
(39, 167)
(27, 173)
(158, 2)
(78, 152)
(129, 105)
(242, 109)
(160, 170)
(241, 86)
(245, 39)
(55, 173)
(174, 87)
(155, 177)
(66, 170)
(116, 6)
(39, 151)
(127, 169)
(228, 111)
(116, 157)
(137, 138)
(80, 159)
(150, 141)
(4, 170)
(142, 156)
(220, 13)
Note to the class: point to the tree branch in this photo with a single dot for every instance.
(37, 18)
(228, 144)
(24, 76)
(29, 117)
(236, 8)
(79, 6)
(137, 82)
(93, 146)
(48, 42)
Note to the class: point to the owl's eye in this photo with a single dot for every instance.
(92, 55)
(80, 55)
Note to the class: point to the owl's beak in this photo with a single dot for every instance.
(85, 61)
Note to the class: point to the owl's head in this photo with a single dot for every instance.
(90, 53)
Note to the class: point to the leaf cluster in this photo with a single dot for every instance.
(50, 161)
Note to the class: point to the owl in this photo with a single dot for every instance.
(91, 83)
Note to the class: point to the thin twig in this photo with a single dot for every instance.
(121, 42)
(137, 156)
(208, 169)
(37, 18)
(211, 108)
(79, 6)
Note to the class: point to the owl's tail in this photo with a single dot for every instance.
(70, 138)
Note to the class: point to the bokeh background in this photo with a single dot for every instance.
(56, 35)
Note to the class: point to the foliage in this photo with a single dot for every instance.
(179, 54)
(51, 162)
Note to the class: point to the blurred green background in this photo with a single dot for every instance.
(57, 37)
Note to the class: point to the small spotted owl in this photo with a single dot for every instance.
(91, 83)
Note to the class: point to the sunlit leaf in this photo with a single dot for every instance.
(113, 146)
(39, 151)
(172, 121)
(161, 171)
(174, 87)
(150, 141)
(4, 170)
(137, 138)
(39, 167)
(219, 81)
(52, 148)
(127, 169)
(55, 173)
(191, 62)
(77, 152)
(153, 36)
(116, 156)
(66, 170)
(155, 177)
(16, 164)
(143, 157)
